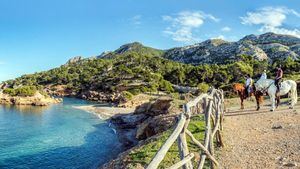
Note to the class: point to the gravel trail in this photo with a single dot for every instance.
(261, 139)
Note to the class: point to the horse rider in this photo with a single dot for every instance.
(264, 75)
(248, 84)
(278, 78)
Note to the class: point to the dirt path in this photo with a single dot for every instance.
(261, 139)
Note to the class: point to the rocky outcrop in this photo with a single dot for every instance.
(148, 119)
(74, 60)
(270, 37)
(101, 96)
(279, 51)
(36, 100)
(248, 49)
(92, 95)
(268, 46)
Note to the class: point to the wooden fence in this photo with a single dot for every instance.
(212, 105)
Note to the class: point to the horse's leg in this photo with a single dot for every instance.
(277, 101)
(257, 97)
(242, 102)
(294, 96)
(272, 99)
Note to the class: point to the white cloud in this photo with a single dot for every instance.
(271, 19)
(226, 29)
(220, 37)
(184, 23)
(136, 20)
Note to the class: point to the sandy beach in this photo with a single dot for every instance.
(105, 112)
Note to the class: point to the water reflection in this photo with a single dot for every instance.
(25, 109)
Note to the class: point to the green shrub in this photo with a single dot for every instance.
(9, 91)
(21, 91)
(135, 91)
(203, 87)
(26, 91)
(127, 95)
(166, 86)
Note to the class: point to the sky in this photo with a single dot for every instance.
(37, 35)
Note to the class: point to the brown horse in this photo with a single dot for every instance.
(241, 91)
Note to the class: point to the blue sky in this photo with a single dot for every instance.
(37, 35)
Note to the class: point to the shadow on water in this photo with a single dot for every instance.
(71, 157)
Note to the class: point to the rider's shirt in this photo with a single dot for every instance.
(248, 82)
(279, 73)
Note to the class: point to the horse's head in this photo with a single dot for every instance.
(238, 87)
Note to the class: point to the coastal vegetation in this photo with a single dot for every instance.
(22, 91)
(136, 73)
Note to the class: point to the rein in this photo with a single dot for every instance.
(264, 90)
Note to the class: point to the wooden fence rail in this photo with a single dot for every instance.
(212, 106)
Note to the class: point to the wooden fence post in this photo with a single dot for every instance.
(207, 131)
(182, 144)
(213, 107)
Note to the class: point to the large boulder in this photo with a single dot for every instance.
(154, 108)
(155, 125)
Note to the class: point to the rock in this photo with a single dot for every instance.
(104, 55)
(128, 121)
(185, 89)
(148, 119)
(100, 96)
(290, 164)
(153, 126)
(74, 60)
(160, 106)
(251, 50)
(277, 126)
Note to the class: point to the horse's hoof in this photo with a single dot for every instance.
(291, 107)
(272, 110)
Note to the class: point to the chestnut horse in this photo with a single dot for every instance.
(241, 91)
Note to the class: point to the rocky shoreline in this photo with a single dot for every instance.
(135, 125)
(36, 100)
(136, 129)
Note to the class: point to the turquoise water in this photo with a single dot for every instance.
(58, 136)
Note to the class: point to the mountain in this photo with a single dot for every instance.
(268, 46)
(134, 68)
(133, 47)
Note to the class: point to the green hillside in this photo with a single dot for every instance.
(143, 72)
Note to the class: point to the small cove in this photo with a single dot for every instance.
(58, 136)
